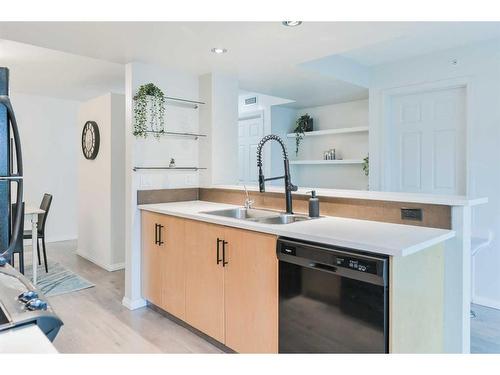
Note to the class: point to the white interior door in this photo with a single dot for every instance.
(428, 142)
(250, 132)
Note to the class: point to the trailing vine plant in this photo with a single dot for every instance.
(366, 165)
(300, 129)
(149, 98)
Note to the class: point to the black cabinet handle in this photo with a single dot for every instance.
(156, 234)
(160, 227)
(224, 253)
(218, 250)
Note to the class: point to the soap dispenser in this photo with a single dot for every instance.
(313, 204)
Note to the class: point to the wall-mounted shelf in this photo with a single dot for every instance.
(326, 162)
(177, 134)
(191, 103)
(316, 133)
(135, 169)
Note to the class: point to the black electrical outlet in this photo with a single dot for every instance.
(411, 214)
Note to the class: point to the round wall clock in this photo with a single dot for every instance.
(90, 140)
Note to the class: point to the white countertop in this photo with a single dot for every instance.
(25, 339)
(447, 200)
(371, 236)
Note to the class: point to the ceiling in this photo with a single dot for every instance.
(41, 71)
(265, 56)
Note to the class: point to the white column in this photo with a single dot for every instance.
(133, 297)
(457, 283)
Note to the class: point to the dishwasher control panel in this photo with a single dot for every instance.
(356, 264)
(329, 256)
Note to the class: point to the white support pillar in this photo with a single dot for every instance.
(457, 283)
(133, 296)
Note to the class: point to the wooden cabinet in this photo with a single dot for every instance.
(163, 270)
(236, 301)
(251, 292)
(204, 279)
(151, 258)
(173, 296)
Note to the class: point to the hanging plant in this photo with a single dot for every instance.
(149, 99)
(366, 165)
(303, 124)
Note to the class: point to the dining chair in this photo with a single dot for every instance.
(42, 219)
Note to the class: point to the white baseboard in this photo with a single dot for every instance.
(60, 239)
(52, 239)
(133, 304)
(107, 267)
(486, 302)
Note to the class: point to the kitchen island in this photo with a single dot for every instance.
(416, 272)
(435, 212)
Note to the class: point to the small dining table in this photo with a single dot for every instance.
(33, 213)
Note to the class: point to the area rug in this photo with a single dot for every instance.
(59, 280)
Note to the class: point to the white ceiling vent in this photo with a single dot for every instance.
(251, 100)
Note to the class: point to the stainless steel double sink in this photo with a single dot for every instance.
(259, 215)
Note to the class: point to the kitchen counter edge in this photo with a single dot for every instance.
(320, 230)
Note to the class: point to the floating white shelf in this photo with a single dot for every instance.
(354, 129)
(326, 162)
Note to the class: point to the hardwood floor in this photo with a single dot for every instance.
(485, 330)
(95, 321)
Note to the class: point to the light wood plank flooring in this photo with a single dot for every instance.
(485, 330)
(95, 321)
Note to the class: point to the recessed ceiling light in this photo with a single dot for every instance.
(291, 23)
(219, 50)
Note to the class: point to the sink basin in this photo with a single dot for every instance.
(283, 219)
(259, 216)
(243, 213)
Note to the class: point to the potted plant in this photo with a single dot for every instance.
(149, 111)
(303, 124)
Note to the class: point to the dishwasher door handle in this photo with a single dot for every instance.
(323, 267)
(345, 272)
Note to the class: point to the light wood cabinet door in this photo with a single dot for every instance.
(251, 292)
(173, 291)
(151, 258)
(204, 279)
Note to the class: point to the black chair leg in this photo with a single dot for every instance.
(38, 252)
(21, 262)
(45, 256)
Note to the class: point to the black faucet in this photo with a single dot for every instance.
(289, 187)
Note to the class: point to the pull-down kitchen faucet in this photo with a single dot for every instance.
(289, 187)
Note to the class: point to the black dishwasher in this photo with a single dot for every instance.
(331, 299)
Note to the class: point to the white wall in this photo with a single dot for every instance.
(224, 129)
(101, 185)
(49, 139)
(479, 67)
(205, 157)
(141, 152)
(217, 152)
(282, 122)
(265, 103)
(347, 146)
(178, 118)
(117, 103)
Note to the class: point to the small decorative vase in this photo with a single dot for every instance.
(172, 163)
